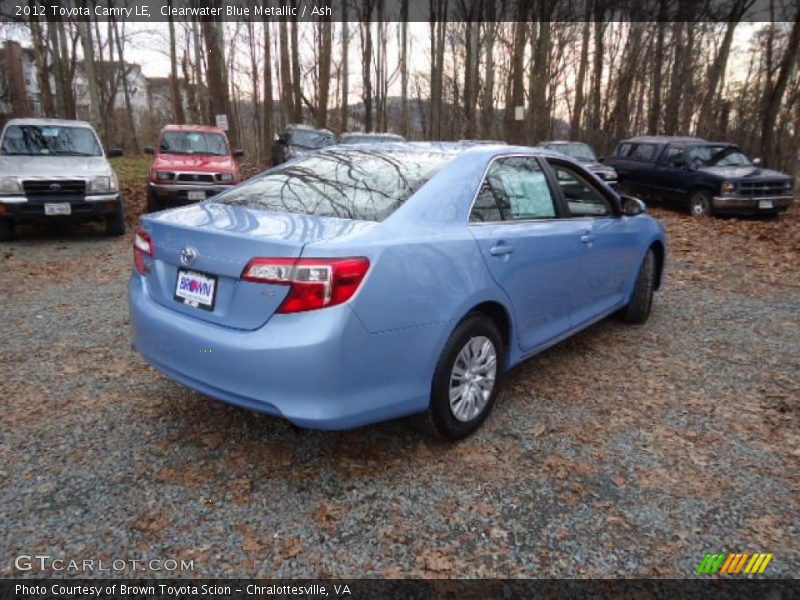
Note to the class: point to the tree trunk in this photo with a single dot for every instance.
(254, 82)
(42, 71)
(175, 92)
(297, 83)
(85, 34)
(672, 113)
(201, 93)
(324, 76)
(219, 100)
(515, 131)
(654, 116)
(267, 119)
(345, 69)
(125, 88)
(487, 103)
(405, 125)
(577, 109)
(773, 94)
(540, 123)
(597, 72)
(287, 97)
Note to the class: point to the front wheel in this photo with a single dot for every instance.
(638, 310)
(115, 222)
(7, 232)
(466, 379)
(700, 204)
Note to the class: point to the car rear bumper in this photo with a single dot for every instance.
(320, 369)
(22, 209)
(764, 204)
(168, 195)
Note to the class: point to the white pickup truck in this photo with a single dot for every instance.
(56, 169)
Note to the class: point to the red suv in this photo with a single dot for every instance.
(191, 163)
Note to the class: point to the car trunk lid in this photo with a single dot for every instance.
(212, 243)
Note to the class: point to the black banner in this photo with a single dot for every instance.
(397, 10)
(239, 589)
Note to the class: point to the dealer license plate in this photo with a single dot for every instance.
(196, 289)
(765, 204)
(196, 195)
(57, 208)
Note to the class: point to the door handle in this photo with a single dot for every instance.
(587, 238)
(501, 250)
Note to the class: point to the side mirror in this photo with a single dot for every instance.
(756, 161)
(632, 206)
(114, 152)
(601, 159)
(238, 153)
(149, 150)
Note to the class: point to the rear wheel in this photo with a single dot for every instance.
(466, 379)
(7, 232)
(638, 310)
(700, 204)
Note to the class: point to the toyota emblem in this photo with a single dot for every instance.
(55, 187)
(188, 256)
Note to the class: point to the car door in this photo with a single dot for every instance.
(531, 251)
(609, 243)
(671, 171)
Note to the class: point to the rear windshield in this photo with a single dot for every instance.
(351, 184)
(311, 139)
(53, 140)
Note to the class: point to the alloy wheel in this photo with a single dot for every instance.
(472, 378)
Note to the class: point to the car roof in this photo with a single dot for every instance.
(206, 128)
(304, 127)
(372, 134)
(665, 139)
(55, 122)
(452, 148)
(561, 143)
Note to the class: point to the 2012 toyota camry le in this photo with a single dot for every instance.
(366, 282)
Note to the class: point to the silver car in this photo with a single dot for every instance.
(56, 169)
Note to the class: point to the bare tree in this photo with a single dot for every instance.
(324, 72)
(175, 92)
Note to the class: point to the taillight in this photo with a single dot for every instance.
(314, 282)
(142, 244)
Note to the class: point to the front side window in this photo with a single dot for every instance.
(514, 189)
(193, 142)
(365, 185)
(675, 158)
(583, 198)
(49, 140)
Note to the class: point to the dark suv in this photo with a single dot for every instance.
(707, 177)
(299, 139)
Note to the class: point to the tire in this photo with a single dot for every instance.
(700, 204)
(153, 205)
(468, 352)
(638, 309)
(115, 223)
(7, 232)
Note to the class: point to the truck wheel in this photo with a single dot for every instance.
(115, 223)
(7, 232)
(153, 205)
(700, 204)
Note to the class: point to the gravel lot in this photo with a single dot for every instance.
(625, 451)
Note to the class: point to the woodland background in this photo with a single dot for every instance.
(597, 80)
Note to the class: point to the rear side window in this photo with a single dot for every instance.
(644, 152)
(514, 189)
(352, 184)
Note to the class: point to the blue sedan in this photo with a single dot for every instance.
(368, 282)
